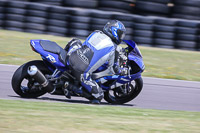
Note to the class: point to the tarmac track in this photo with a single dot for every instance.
(163, 94)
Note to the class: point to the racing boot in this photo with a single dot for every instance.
(95, 101)
(98, 95)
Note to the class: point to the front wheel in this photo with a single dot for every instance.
(125, 93)
(24, 85)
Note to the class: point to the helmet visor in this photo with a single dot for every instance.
(121, 34)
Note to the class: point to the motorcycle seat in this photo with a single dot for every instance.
(53, 47)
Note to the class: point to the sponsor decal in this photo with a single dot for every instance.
(82, 57)
(51, 58)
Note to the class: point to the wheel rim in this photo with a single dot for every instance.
(27, 86)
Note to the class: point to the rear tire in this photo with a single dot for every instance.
(22, 74)
(135, 90)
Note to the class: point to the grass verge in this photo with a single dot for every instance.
(22, 116)
(162, 63)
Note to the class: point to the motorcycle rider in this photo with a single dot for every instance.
(99, 48)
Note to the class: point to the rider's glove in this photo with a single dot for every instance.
(121, 52)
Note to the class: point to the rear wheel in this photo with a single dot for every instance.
(24, 85)
(124, 93)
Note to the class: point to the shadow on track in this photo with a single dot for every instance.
(71, 101)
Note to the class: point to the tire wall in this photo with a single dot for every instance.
(155, 23)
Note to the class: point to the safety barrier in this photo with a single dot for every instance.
(79, 22)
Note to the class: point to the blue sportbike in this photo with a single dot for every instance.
(53, 75)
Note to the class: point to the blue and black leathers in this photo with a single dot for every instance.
(97, 50)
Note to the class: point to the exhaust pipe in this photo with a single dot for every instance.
(34, 72)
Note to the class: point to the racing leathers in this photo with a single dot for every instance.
(97, 50)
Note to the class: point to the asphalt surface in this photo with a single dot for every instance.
(163, 94)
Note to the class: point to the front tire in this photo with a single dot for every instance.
(135, 89)
(22, 75)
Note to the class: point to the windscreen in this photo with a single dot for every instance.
(135, 50)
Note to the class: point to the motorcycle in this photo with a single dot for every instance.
(52, 75)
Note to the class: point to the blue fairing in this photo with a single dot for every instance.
(48, 56)
(130, 43)
(120, 79)
(137, 60)
(135, 54)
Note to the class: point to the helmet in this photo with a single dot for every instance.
(115, 30)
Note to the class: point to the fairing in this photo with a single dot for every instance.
(135, 55)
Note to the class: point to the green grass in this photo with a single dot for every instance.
(22, 116)
(162, 63)
(171, 64)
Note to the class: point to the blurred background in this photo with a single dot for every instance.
(155, 23)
